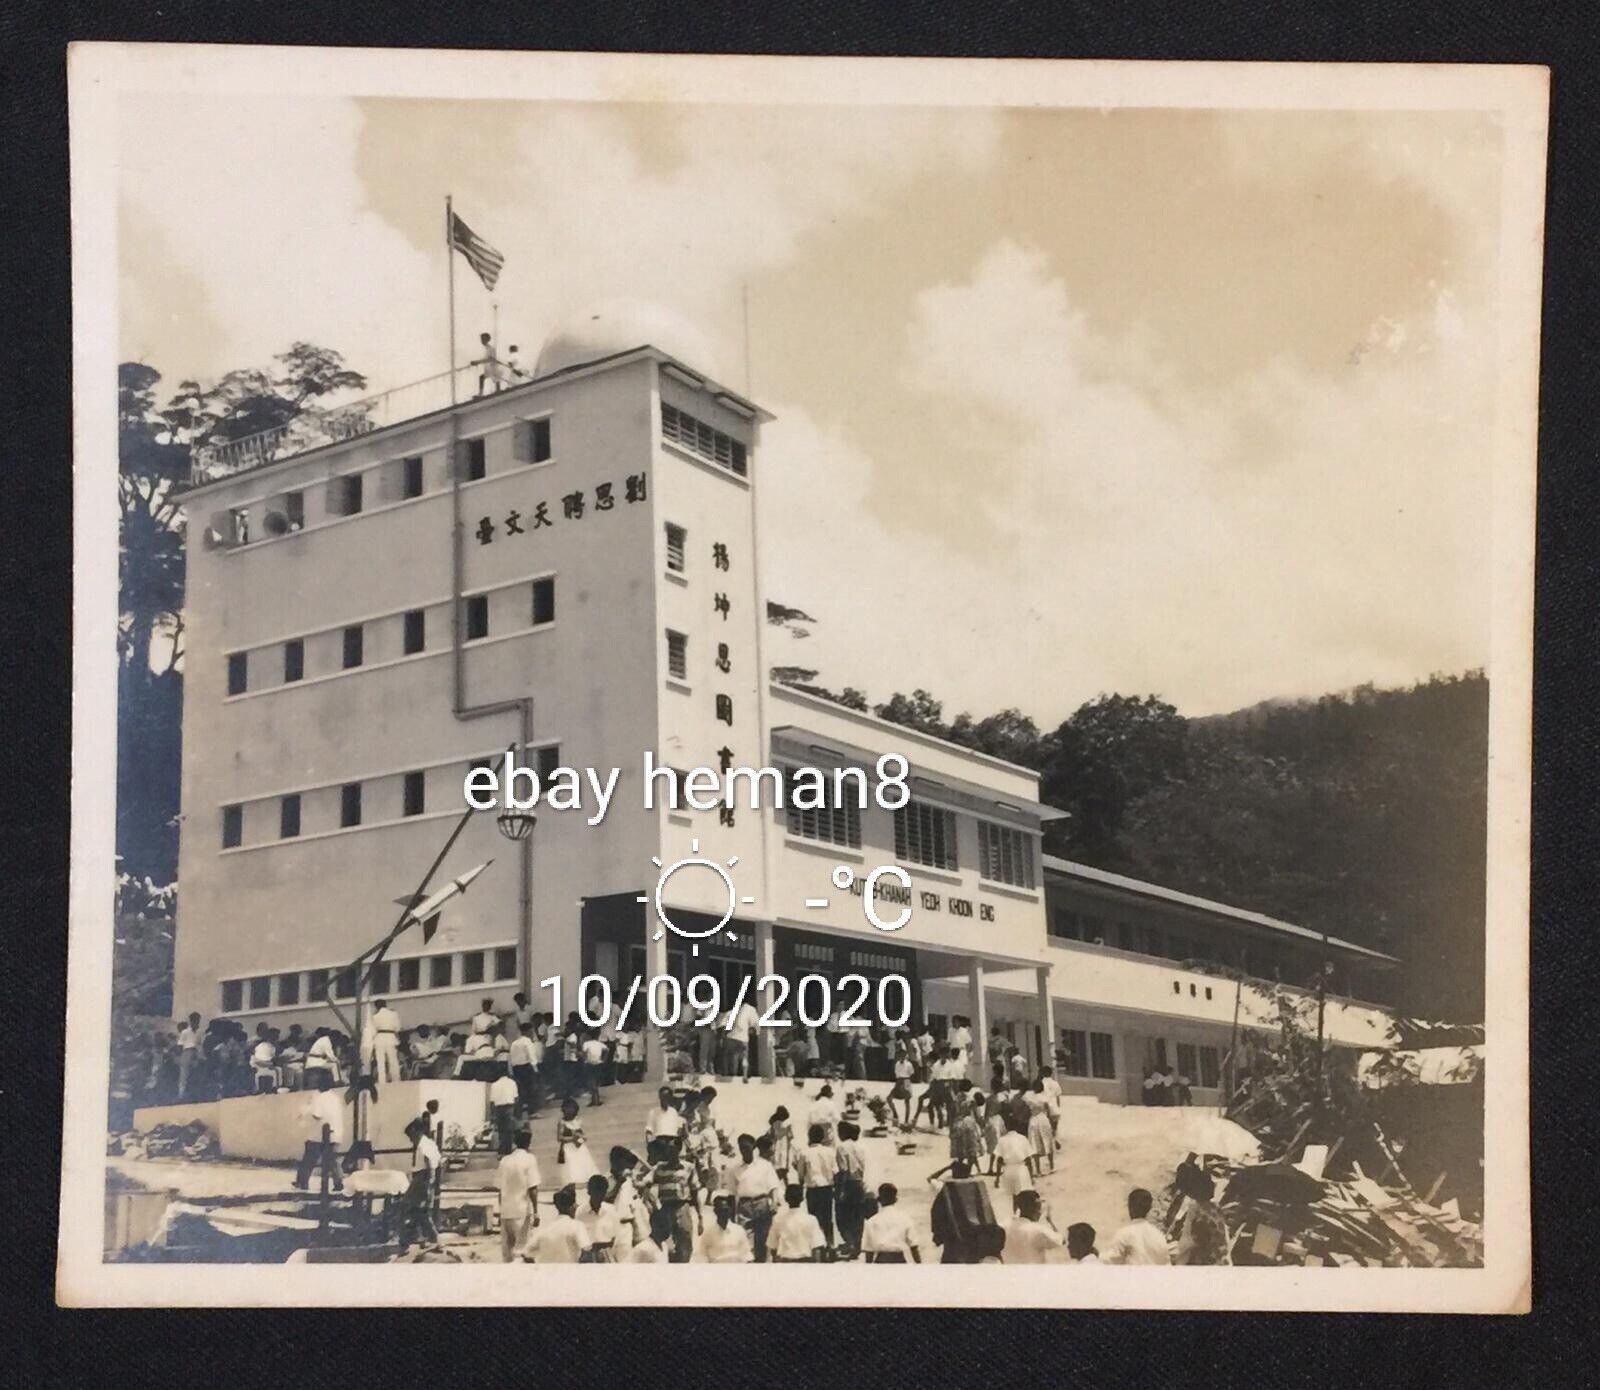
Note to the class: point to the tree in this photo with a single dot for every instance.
(918, 710)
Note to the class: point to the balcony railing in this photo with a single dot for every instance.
(316, 428)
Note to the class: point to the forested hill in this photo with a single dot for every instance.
(1361, 814)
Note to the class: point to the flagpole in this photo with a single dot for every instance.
(450, 271)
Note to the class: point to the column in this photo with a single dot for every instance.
(764, 1040)
(655, 968)
(1047, 1018)
(977, 1019)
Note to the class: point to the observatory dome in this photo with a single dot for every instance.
(620, 325)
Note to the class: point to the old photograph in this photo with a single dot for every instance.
(695, 661)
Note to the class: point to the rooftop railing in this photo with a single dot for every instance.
(316, 428)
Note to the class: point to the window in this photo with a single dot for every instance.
(472, 967)
(289, 988)
(530, 443)
(1125, 937)
(378, 985)
(294, 510)
(439, 971)
(294, 660)
(238, 673)
(350, 804)
(316, 985)
(411, 476)
(477, 617)
(547, 760)
(1152, 941)
(353, 645)
(1210, 1072)
(344, 984)
(925, 834)
(1005, 855)
(1102, 1057)
(544, 601)
(232, 827)
(344, 495)
(409, 976)
(232, 996)
(1066, 925)
(1188, 1065)
(677, 655)
(261, 992)
(476, 465)
(413, 794)
(1075, 1051)
(416, 631)
(700, 438)
(836, 825)
(505, 963)
(289, 816)
(677, 539)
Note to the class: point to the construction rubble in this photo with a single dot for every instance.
(193, 1141)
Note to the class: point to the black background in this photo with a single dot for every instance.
(392, 1349)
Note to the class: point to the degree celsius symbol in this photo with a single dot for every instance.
(844, 877)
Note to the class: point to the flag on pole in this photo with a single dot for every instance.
(482, 257)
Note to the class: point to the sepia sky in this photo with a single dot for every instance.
(1068, 401)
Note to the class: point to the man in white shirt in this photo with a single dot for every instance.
(524, 1012)
(961, 1041)
(424, 1046)
(416, 1213)
(825, 1113)
(888, 1237)
(1141, 1241)
(264, 1061)
(723, 1241)
(652, 1250)
(325, 1136)
(323, 1057)
(518, 1180)
(385, 1062)
(485, 1019)
(756, 1189)
(1030, 1235)
(744, 1019)
(563, 1240)
(502, 1109)
(1080, 1244)
(664, 1118)
(796, 1233)
(524, 1059)
(188, 1052)
(593, 1052)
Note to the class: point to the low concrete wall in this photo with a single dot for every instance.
(272, 1128)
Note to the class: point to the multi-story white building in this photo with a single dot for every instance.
(363, 626)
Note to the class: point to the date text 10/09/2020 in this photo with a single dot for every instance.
(857, 1001)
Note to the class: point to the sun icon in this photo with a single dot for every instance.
(695, 861)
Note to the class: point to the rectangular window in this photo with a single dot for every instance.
(439, 971)
(232, 827)
(410, 976)
(1102, 1057)
(700, 438)
(1210, 1072)
(289, 988)
(835, 825)
(505, 963)
(530, 441)
(289, 816)
(472, 967)
(477, 617)
(353, 646)
(316, 985)
(677, 655)
(261, 992)
(238, 673)
(294, 660)
(925, 834)
(1188, 1065)
(345, 495)
(294, 510)
(344, 984)
(677, 539)
(547, 760)
(1075, 1050)
(414, 800)
(476, 460)
(378, 985)
(232, 996)
(350, 804)
(1005, 855)
(411, 476)
(544, 601)
(416, 631)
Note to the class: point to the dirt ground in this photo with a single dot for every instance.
(1106, 1150)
